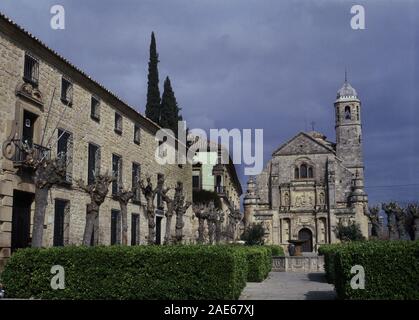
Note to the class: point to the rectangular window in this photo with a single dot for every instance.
(118, 123)
(115, 227)
(160, 204)
(135, 181)
(117, 172)
(137, 134)
(195, 182)
(60, 222)
(31, 70)
(93, 166)
(95, 109)
(66, 91)
(135, 229)
(65, 151)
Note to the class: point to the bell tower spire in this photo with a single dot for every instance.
(349, 128)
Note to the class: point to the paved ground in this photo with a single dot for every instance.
(290, 286)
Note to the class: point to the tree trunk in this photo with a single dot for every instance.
(201, 229)
(416, 228)
(151, 227)
(217, 231)
(210, 231)
(41, 202)
(91, 217)
(124, 222)
(167, 237)
(179, 227)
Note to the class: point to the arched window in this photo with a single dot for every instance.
(357, 112)
(296, 173)
(348, 113)
(310, 172)
(303, 171)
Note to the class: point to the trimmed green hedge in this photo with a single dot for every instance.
(138, 272)
(259, 262)
(276, 250)
(329, 251)
(391, 269)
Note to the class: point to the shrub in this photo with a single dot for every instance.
(253, 235)
(329, 251)
(391, 269)
(140, 272)
(259, 262)
(351, 232)
(276, 250)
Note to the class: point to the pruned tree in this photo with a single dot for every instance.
(180, 208)
(149, 194)
(400, 214)
(169, 214)
(201, 213)
(413, 209)
(97, 191)
(211, 220)
(234, 217)
(374, 218)
(47, 174)
(218, 225)
(124, 196)
(389, 209)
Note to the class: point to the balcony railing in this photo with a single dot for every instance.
(27, 153)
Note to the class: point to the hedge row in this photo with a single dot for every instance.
(139, 272)
(329, 251)
(259, 262)
(391, 269)
(276, 250)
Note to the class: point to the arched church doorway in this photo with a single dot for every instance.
(306, 234)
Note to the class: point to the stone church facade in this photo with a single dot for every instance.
(312, 184)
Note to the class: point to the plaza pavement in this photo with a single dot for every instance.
(290, 286)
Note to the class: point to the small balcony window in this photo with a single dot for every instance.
(66, 92)
(118, 123)
(95, 109)
(137, 134)
(31, 70)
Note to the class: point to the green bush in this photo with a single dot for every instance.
(391, 269)
(259, 262)
(329, 251)
(138, 272)
(253, 235)
(276, 250)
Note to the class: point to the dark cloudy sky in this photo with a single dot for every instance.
(267, 64)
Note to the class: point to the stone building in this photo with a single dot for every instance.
(210, 173)
(311, 184)
(47, 102)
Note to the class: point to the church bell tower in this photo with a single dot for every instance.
(349, 129)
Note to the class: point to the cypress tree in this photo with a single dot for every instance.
(152, 109)
(169, 108)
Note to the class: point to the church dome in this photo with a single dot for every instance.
(347, 92)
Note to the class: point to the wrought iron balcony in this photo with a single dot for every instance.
(26, 154)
